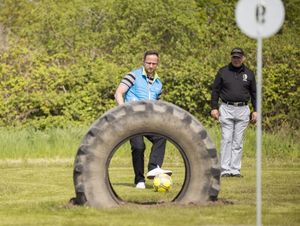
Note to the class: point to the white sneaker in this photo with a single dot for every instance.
(140, 185)
(152, 173)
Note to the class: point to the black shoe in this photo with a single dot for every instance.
(226, 175)
(236, 175)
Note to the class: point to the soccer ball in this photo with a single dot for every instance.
(162, 183)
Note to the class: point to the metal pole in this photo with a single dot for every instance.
(259, 132)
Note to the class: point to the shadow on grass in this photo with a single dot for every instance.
(150, 204)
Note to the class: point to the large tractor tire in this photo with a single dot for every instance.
(202, 170)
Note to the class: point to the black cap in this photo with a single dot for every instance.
(239, 52)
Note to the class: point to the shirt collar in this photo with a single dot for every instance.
(237, 69)
(145, 74)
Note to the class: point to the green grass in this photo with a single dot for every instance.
(63, 143)
(36, 184)
(123, 182)
(30, 143)
(285, 143)
(37, 194)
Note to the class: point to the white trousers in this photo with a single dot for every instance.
(234, 120)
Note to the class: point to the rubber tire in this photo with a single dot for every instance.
(91, 179)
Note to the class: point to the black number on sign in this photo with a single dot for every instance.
(260, 13)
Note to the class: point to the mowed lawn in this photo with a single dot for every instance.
(36, 192)
(36, 184)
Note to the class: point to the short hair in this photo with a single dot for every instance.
(150, 52)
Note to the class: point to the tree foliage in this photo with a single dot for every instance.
(61, 60)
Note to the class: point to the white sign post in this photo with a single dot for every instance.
(259, 19)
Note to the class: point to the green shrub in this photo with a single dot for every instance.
(61, 61)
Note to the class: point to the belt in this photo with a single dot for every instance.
(237, 104)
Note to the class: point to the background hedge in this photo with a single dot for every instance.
(61, 60)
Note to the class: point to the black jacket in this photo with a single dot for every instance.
(234, 85)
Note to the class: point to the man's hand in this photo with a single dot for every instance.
(254, 117)
(215, 114)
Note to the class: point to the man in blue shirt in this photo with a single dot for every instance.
(144, 84)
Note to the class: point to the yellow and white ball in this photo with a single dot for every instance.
(162, 183)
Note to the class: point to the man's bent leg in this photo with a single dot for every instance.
(157, 154)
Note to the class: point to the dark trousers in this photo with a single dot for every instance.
(156, 155)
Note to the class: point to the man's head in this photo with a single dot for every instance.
(151, 60)
(237, 57)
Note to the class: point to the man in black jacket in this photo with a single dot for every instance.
(235, 85)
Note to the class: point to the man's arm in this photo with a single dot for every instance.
(119, 94)
(253, 99)
(215, 97)
(125, 84)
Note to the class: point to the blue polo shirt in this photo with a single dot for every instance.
(140, 86)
